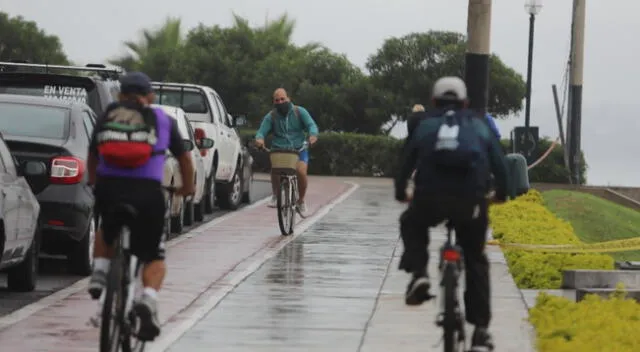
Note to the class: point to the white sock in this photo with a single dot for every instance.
(151, 292)
(101, 264)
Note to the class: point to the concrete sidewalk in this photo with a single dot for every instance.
(203, 265)
(337, 288)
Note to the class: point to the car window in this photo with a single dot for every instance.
(216, 108)
(223, 108)
(54, 87)
(188, 100)
(87, 119)
(34, 121)
(7, 160)
(3, 169)
(190, 128)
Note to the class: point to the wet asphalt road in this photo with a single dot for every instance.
(54, 276)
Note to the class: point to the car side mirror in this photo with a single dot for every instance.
(188, 145)
(206, 143)
(33, 168)
(239, 121)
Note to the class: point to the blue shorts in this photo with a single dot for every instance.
(304, 156)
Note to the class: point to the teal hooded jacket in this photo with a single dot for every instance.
(289, 130)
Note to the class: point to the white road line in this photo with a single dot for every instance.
(48, 301)
(165, 341)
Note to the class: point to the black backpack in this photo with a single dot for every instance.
(458, 146)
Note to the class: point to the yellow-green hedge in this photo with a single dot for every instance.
(592, 325)
(526, 220)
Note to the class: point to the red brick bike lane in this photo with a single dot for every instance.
(200, 261)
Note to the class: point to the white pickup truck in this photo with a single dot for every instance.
(227, 168)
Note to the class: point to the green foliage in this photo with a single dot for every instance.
(342, 154)
(596, 219)
(22, 40)
(527, 221)
(592, 325)
(337, 154)
(551, 169)
(246, 64)
(155, 51)
(409, 66)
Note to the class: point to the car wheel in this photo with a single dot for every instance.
(246, 196)
(177, 221)
(198, 211)
(231, 193)
(167, 216)
(210, 193)
(188, 213)
(23, 278)
(80, 260)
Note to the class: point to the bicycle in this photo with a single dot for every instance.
(451, 319)
(285, 162)
(118, 328)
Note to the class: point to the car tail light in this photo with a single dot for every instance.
(66, 170)
(199, 134)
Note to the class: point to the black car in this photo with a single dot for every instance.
(94, 84)
(56, 132)
(19, 226)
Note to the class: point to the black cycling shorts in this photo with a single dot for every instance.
(147, 229)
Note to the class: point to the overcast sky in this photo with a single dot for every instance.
(91, 32)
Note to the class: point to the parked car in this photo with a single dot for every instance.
(98, 89)
(225, 181)
(247, 163)
(185, 213)
(57, 133)
(19, 211)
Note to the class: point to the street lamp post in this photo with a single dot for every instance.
(532, 7)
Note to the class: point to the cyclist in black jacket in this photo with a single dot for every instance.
(453, 152)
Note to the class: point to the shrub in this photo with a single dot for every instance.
(526, 221)
(592, 325)
(353, 154)
(343, 154)
(552, 168)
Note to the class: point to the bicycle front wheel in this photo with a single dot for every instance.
(111, 325)
(450, 319)
(285, 207)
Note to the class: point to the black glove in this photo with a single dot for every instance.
(401, 194)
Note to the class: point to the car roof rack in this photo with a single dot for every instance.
(100, 69)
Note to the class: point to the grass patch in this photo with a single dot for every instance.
(595, 219)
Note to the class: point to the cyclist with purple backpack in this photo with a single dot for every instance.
(126, 163)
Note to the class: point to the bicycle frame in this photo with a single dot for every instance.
(289, 184)
(131, 270)
(451, 318)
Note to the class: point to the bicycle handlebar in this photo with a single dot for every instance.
(170, 189)
(305, 145)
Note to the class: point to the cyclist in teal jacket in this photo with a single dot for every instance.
(289, 125)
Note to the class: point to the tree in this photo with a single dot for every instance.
(155, 51)
(409, 66)
(22, 40)
(339, 95)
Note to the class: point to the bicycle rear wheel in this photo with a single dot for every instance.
(450, 318)
(111, 325)
(285, 207)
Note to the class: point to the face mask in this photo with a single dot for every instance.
(283, 108)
